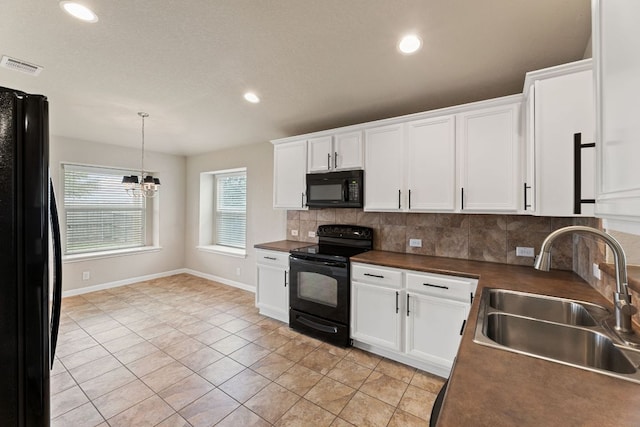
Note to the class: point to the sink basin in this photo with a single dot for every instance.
(559, 330)
(543, 307)
(575, 346)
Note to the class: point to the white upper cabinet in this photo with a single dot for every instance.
(320, 154)
(332, 153)
(616, 43)
(430, 160)
(488, 141)
(384, 174)
(290, 168)
(347, 152)
(560, 140)
(411, 166)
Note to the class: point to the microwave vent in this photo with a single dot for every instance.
(19, 65)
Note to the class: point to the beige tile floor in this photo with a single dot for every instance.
(185, 351)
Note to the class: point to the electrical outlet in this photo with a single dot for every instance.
(312, 234)
(415, 243)
(294, 233)
(525, 251)
(86, 275)
(596, 271)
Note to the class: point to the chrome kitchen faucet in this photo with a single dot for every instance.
(622, 300)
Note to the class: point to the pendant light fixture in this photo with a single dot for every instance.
(144, 185)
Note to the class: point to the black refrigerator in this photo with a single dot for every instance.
(30, 260)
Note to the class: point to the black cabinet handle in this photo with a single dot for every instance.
(436, 286)
(285, 278)
(464, 322)
(302, 200)
(577, 173)
(335, 160)
(399, 193)
(407, 305)
(409, 199)
(462, 198)
(374, 275)
(526, 187)
(270, 257)
(397, 306)
(328, 161)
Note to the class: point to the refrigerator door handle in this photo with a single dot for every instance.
(57, 277)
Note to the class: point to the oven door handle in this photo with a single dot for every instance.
(307, 260)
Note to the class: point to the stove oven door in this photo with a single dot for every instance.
(320, 288)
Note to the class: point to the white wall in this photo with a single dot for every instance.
(264, 224)
(172, 172)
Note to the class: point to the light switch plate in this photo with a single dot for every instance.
(312, 234)
(415, 243)
(596, 271)
(525, 251)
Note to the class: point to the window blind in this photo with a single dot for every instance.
(100, 216)
(231, 209)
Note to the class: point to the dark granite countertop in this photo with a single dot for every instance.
(491, 387)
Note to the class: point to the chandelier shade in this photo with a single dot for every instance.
(144, 185)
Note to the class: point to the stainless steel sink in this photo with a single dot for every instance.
(554, 341)
(560, 310)
(559, 330)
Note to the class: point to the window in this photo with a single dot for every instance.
(99, 214)
(231, 209)
(223, 212)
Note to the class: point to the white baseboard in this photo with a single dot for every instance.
(219, 279)
(132, 280)
(117, 283)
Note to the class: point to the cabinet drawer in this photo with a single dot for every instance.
(273, 258)
(376, 275)
(450, 287)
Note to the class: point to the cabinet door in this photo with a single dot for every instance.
(431, 164)
(290, 168)
(616, 45)
(384, 172)
(434, 328)
(348, 151)
(320, 154)
(376, 315)
(272, 295)
(564, 106)
(489, 142)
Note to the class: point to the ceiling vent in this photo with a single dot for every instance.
(18, 65)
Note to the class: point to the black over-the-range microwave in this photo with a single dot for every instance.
(335, 189)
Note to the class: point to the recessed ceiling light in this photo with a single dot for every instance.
(251, 97)
(79, 11)
(410, 44)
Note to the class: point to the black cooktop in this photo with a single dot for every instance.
(338, 242)
(329, 251)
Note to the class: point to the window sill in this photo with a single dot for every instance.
(223, 250)
(109, 254)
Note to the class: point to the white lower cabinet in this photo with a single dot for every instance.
(272, 292)
(412, 317)
(375, 315)
(434, 328)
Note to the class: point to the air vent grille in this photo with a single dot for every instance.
(18, 65)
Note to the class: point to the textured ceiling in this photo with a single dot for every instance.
(316, 64)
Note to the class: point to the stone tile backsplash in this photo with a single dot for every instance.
(492, 238)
